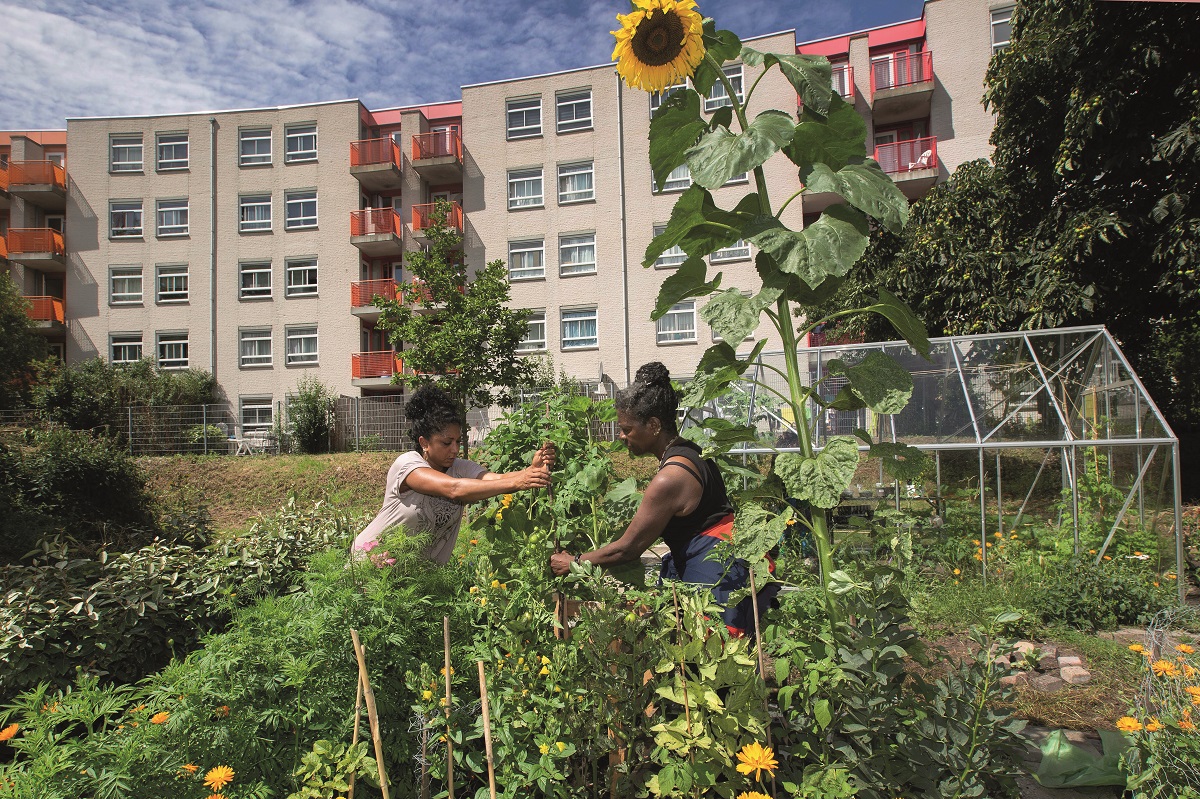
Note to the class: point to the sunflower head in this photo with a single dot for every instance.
(659, 43)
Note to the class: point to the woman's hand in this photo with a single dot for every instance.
(532, 477)
(547, 455)
(560, 562)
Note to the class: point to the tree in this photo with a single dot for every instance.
(20, 346)
(311, 415)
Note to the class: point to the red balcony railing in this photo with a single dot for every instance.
(422, 216)
(35, 239)
(363, 292)
(437, 144)
(4, 177)
(45, 309)
(36, 172)
(374, 151)
(901, 69)
(900, 157)
(375, 221)
(843, 80)
(4, 247)
(375, 364)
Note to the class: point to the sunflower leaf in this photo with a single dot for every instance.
(900, 461)
(836, 139)
(721, 154)
(864, 186)
(821, 479)
(903, 319)
(730, 315)
(676, 126)
(721, 46)
(776, 282)
(707, 386)
(687, 281)
(829, 246)
(810, 75)
(721, 356)
(699, 227)
(884, 385)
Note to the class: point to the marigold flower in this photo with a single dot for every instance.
(752, 795)
(222, 711)
(1128, 724)
(218, 777)
(9, 731)
(1138, 648)
(473, 589)
(545, 670)
(754, 757)
(160, 717)
(1186, 649)
(473, 541)
(1187, 724)
(978, 556)
(544, 749)
(545, 660)
(975, 541)
(958, 571)
(659, 43)
(495, 583)
(217, 796)
(1164, 668)
(1014, 535)
(190, 768)
(1153, 725)
(427, 695)
(1194, 690)
(998, 534)
(1108, 557)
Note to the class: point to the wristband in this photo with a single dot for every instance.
(578, 558)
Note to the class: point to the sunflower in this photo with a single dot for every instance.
(757, 758)
(217, 778)
(659, 43)
(752, 795)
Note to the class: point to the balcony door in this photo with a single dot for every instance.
(897, 67)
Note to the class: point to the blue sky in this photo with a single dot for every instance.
(71, 58)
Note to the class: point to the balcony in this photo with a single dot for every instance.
(5, 196)
(363, 294)
(374, 369)
(912, 164)
(901, 87)
(43, 183)
(47, 315)
(438, 157)
(376, 164)
(39, 247)
(422, 218)
(3, 249)
(422, 298)
(843, 81)
(377, 232)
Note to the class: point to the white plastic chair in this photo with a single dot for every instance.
(922, 161)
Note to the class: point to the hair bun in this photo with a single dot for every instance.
(421, 401)
(654, 374)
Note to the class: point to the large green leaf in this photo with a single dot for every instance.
(730, 315)
(775, 282)
(821, 479)
(884, 385)
(707, 386)
(721, 355)
(900, 460)
(724, 434)
(721, 154)
(687, 281)
(903, 319)
(720, 46)
(676, 126)
(865, 186)
(834, 140)
(698, 226)
(829, 246)
(810, 75)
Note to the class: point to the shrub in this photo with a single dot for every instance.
(1087, 596)
(311, 415)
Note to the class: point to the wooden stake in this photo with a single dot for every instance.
(372, 715)
(354, 738)
(487, 731)
(449, 743)
(687, 711)
(762, 668)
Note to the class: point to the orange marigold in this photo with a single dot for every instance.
(1164, 668)
(9, 731)
(1128, 724)
(218, 777)
(160, 717)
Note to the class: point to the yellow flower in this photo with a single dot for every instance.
(499, 515)
(1128, 724)
(998, 534)
(427, 695)
(1153, 725)
(544, 671)
(217, 796)
(756, 758)
(544, 748)
(442, 670)
(561, 746)
(473, 541)
(190, 768)
(1091, 552)
(1014, 535)
(1187, 724)
(495, 583)
(217, 778)
(752, 795)
(1138, 648)
(978, 556)
(160, 717)
(506, 500)
(1108, 557)
(503, 586)
(659, 43)
(473, 589)
(958, 571)
(9, 731)
(545, 660)
(1194, 690)
(1164, 668)
(482, 601)
(442, 701)
(520, 661)
(1186, 649)
(975, 541)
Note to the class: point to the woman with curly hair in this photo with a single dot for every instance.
(428, 487)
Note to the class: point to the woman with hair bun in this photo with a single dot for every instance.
(686, 502)
(428, 487)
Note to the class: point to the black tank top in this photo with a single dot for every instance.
(714, 501)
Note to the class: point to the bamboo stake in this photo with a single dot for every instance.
(487, 731)
(449, 743)
(687, 712)
(372, 715)
(762, 668)
(354, 738)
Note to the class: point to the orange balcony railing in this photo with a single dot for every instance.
(363, 292)
(422, 216)
(35, 239)
(45, 309)
(375, 221)
(4, 247)
(901, 69)
(900, 157)
(36, 172)
(374, 151)
(4, 177)
(375, 364)
(437, 144)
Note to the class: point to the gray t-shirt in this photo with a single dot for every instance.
(420, 513)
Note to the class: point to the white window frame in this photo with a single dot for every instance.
(171, 350)
(126, 152)
(569, 172)
(169, 221)
(531, 176)
(841, 78)
(171, 284)
(527, 248)
(719, 99)
(299, 355)
(172, 151)
(673, 257)
(127, 296)
(522, 106)
(738, 251)
(121, 342)
(1001, 16)
(573, 249)
(256, 414)
(294, 270)
(130, 210)
(658, 98)
(257, 290)
(256, 154)
(679, 179)
(296, 141)
(535, 333)
(741, 177)
(299, 201)
(681, 319)
(570, 317)
(251, 350)
(576, 103)
(256, 202)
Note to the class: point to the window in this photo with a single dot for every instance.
(1001, 29)
(658, 98)
(841, 79)
(525, 188)
(172, 350)
(254, 146)
(524, 118)
(257, 414)
(255, 347)
(679, 179)
(738, 251)
(672, 257)
(126, 153)
(255, 280)
(741, 177)
(300, 208)
(575, 183)
(254, 212)
(579, 329)
(125, 285)
(172, 151)
(577, 254)
(301, 277)
(678, 324)
(299, 143)
(574, 111)
(535, 333)
(125, 219)
(719, 97)
(172, 283)
(172, 217)
(301, 345)
(526, 259)
(125, 348)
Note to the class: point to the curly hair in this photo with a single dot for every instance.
(430, 410)
(651, 395)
